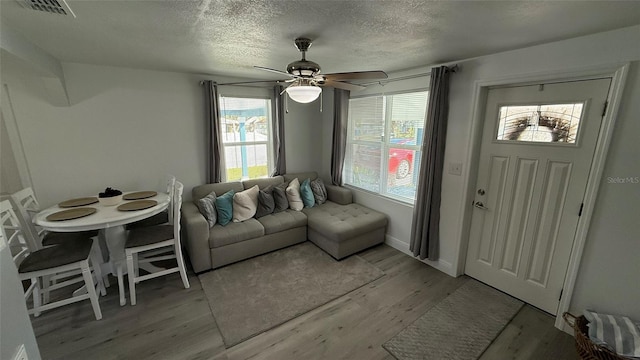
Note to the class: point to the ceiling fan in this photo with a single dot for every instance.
(306, 78)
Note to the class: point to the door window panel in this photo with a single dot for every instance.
(554, 123)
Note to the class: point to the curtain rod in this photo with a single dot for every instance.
(452, 69)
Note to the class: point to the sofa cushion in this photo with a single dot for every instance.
(207, 207)
(293, 195)
(245, 204)
(224, 207)
(319, 191)
(339, 194)
(266, 203)
(284, 220)
(234, 232)
(280, 198)
(307, 195)
(343, 222)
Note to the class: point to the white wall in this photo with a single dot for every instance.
(608, 266)
(609, 277)
(15, 327)
(303, 136)
(10, 181)
(124, 128)
(128, 128)
(610, 270)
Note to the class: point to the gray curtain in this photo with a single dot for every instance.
(278, 132)
(214, 141)
(426, 212)
(340, 115)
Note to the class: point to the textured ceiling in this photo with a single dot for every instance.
(229, 37)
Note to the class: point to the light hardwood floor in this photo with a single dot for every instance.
(170, 322)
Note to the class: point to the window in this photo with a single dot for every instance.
(246, 137)
(556, 123)
(383, 143)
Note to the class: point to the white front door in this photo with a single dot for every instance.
(537, 147)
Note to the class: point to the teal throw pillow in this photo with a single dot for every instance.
(307, 194)
(224, 207)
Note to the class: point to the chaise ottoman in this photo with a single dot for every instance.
(344, 229)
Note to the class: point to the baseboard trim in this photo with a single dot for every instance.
(402, 246)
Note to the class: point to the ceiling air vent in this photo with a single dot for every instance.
(51, 6)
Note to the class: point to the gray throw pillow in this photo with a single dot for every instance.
(266, 202)
(207, 207)
(280, 197)
(319, 191)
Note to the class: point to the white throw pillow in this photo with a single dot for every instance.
(245, 204)
(293, 195)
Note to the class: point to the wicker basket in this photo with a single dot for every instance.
(587, 349)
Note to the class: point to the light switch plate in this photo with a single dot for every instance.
(455, 169)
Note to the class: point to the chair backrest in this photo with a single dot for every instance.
(17, 241)
(177, 205)
(26, 204)
(171, 186)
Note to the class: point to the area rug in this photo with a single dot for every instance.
(460, 327)
(255, 295)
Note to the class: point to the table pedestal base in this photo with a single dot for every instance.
(115, 238)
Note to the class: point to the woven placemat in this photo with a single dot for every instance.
(139, 195)
(71, 214)
(78, 202)
(137, 205)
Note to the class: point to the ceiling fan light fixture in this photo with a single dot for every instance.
(303, 92)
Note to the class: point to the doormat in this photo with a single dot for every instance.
(460, 327)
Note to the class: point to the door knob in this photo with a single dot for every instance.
(480, 205)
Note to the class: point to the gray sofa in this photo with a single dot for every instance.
(338, 226)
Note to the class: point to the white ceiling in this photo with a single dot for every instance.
(228, 37)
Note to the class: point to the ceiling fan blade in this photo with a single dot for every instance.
(274, 70)
(342, 85)
(359, 75)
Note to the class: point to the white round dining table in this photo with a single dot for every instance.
(111, 223)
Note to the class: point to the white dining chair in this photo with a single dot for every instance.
(162, 218)
(143, 240)
(26, 205)
(34, 264)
